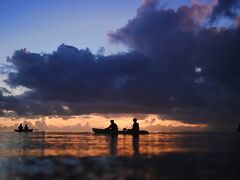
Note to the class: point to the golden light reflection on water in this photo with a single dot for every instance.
(88, 145)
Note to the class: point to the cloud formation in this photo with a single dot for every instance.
(178, 66)
(195, 63)
(229, 8)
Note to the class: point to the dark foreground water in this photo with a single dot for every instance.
(64, 155)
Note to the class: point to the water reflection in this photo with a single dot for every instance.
(135, 145)
(42, 144)
(28, 144)
(113, 144)
(57, 155)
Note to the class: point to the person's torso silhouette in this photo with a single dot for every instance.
(20, 127)
(113, 126)
(135, 126)
(25, 128)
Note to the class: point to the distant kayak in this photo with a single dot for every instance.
(104, 131)
(29, 130)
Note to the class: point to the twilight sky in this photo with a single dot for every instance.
(41, 26)
(175, 59)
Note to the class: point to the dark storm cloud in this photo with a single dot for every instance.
(73, 81)
(177, 67)
(73, 75)
(7, 103)
(192, 62)
(195, 66)
(229, 8)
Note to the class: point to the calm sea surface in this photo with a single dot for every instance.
(77, 144)
(89, 156)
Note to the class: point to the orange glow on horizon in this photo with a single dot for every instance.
(150, 122)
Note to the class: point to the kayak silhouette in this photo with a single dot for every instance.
(105, 131)
(28, 130)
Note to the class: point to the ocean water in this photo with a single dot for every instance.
(78, 155)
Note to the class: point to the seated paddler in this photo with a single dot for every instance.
(135, 126)
(113, 126)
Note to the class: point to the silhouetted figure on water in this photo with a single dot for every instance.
(135, 126)
(20, 127)
(113, 126)
(26, 127)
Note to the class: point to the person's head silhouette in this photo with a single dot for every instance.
(112, 121)
(134, 119)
